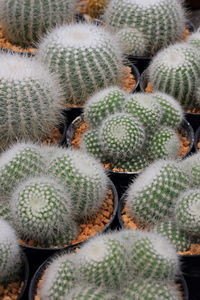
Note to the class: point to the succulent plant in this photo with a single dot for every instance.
(191, 165)
(85, 57)
(24, 22)
(194, 39)
(90, 143)
(5, 211)
(187, 211)
(197, 95)
(88, 292)
(164, 143)
(85, 179)
(175, 71)
(174, 234)
(161, 21)
(172, 112)
(132, 41)
(42, 212)
(132, 164)
(104, 103)
(121, 135)
(11, 259)
(151, 196)
(30, 100)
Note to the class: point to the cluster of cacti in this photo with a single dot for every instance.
(122, 128)
(47, 192)
(112, 261)
(30, 100)
(175, 71)
(25, 22)
(85, 58)
(161, 22)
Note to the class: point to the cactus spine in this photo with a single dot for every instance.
(89, 293)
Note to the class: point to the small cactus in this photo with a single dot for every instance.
(89, 292)
(132, 164)
(25, 22)
(191, 166)
(91, 144)
(175, 71)
(85, 57)
(30, 100)
(41, 211)
(103, 104)
(151, 196)
(11, 259)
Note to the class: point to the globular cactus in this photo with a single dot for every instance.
(42, 212)
(151, 196)
(197, 95)
(149, 289)
(161, 21)
(5, 211)
(30, 100)
(175, 71)
(164, 143)
(95, 8)
(174, 234)
(172, 112)
(20, 161)
(132, 41)
(89, 292)
(121, 135)
(59, 278)
(153, 256)
(85, 179)
(132, 164)
(187, 211)
(90, 143)
(194, 39)
(104, 103)
(85, 57)
(191, 165)
(11, 259)
(25, 22)
(145, 108)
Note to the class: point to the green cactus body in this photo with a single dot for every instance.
(174, 234)
(42, 212)
(164, 143)
(161, 21)
(102, 261)
(25, 22)
(5, 211)
(85, 179)
(150, 290)
(89, 293)
(91, 144)
(59, 278)
(145, 108)
(10, 255)
(194, 40)
(17, 163)
(187, 212)
(197, 95)
(154, 257)
(30, 100)
(151, 197)
(121, 135)
(132, 164)
(172, 113)
(132, 41)
(85, 58)
(175, 71)
(103, 104)
(191, 165)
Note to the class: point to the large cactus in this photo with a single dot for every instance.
(85, 58)
(25, 22)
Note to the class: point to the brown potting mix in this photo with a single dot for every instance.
(92, 226)
(54, 138)
(10, 291)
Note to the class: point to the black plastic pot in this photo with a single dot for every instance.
(197, 140)
(24, 291)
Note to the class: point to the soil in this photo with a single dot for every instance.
(10, 291)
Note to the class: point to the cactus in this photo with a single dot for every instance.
(41, 210)
(103, 104)
(191, 166)
(161, 21)
(102, 261)
(5, 211)
(132, 41)
(197, 95)
(84, 177)
(121, 135)
(187, 211)
(95, 8)
(175, 71)
(59, 278)
(91, 144)
(132, 164)
(25, 22)
(89, 292)
(151, 196)
(11, 260)
(20, 161)
(30, 100)
(85, 57)
(154, 257)
(164, 143)
(172, 112)
(194, 39)
(148, 289)
(174, 234)
(145, 108)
